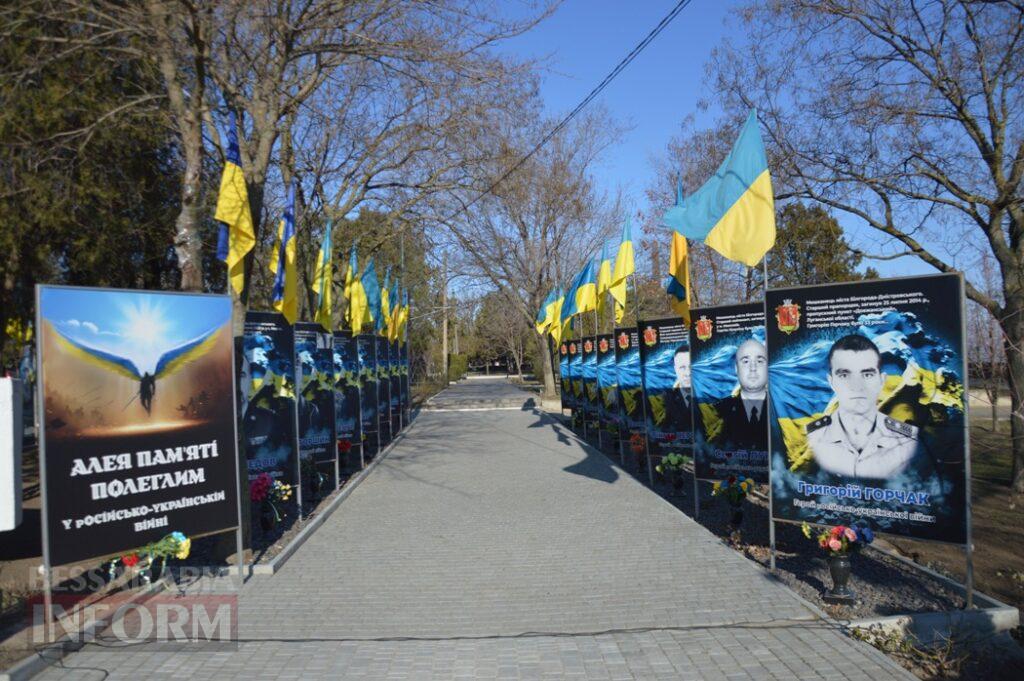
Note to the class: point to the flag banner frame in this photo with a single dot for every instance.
(607, 384)
(383, 391)
(564, 390)
(629, 378)
(395, 377)
(669, 417)
(588, 368)
(314, 376)
(366, 347)
(347, 422)
(576, 381)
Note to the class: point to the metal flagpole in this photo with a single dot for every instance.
(643, 389)
(771, 506)
(401, 282)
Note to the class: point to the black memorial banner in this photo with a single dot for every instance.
(867, 405)
(138, 428)
(314, 374)
(729, 363)
(607, 384)
(628, 377)
(366, 346)
(665, 363)
(564, 391)
(576, 379)
(395, 372)
(588, 367)
(347, 424)
(270, 411)
(406, 403)
(383, 391)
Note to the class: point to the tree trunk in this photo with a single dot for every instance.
(1014, 328)
(187, 242)
(543, 350)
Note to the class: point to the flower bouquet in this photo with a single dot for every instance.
(841, 541)
(671, 467)
(638, 445)
(735, 489)
(151, 559)
(269, 494)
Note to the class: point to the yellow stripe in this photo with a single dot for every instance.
(747, 230)
(193, 354)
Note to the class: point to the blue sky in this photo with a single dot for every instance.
(585, 39)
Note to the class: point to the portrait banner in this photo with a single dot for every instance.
(383, 391)
(564, 392)
(347, 424)
(628, 376)
(729, 366)
(867, 405)
(607, 383)
(138, 424)
(588, 368)
(369, 402)
(269, 407)
(395, 360)
(314, 369)
(576, 378)
(665, 363)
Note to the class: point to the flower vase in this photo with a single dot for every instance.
(677, 481)
(840, 568)
(736, 514)
(266, 518)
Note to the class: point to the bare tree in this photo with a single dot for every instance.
(906, 116)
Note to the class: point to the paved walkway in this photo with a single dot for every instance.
(493, 544)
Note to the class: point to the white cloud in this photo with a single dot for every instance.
(74, 323)
(91, 327)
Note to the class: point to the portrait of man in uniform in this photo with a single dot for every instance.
(677, 400)
(743, 415)
(857, 440)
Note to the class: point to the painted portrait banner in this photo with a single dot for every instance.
(138, 418)
(665, 362)
(395, 359)
(383, 391)
(607, 383)
(564, 391)
(867, 405)
(729, 366)
(588, 368)
(629, 379)
(269, 408)
(347, 424)
(314, 365)
(404, 359)
(576, 380)
(366, 347)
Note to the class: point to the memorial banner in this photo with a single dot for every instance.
(383, 391)
(576, 377)
(270, 411)
(607, 383)
(347, 425)
(395, 359)
(867, 405)
(665, 362)
(366, 346)
(729, 364)
(138, 427)
(564, 391)
(314, 365)
(629, 379)
(588, 366)
(406, 402)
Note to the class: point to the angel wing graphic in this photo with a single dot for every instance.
(169, 362)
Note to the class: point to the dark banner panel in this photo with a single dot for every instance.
(270, 411)
(138, 422)
(729, 363)
(347, 424)
(628, 377)
(576, 378)
(564, 392)
(314, 374)
(665, 362)
(607, 383)
(366, 346)
(867, 405)
(395, 359)
(406, 388)
(383, 391)
(588, 366)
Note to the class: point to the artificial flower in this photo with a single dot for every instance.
(130, 560)
(850, 534)
(835, 544)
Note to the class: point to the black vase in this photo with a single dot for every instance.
(735, 515)
(839, 568)
(677, 481)
(266, 518)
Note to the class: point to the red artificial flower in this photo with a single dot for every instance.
(732, 479)
(836, 531)
(130, 560)
(344, 446)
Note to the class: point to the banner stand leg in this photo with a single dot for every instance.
(696, 497)
(650, 468)
(622, 454)
(240, 550)
(771, 507)
(969, 547)
(771, 544)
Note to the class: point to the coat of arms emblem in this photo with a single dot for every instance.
(602, 345)
(788, 316)
(588, 346)
(650, 336)
(703, 327)
(624, 340)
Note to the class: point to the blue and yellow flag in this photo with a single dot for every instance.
(625, 265)
(381, 322)
(403, 315)
(734, 212)
(582, 294)
(557, 326)
(678, 286)
(604, 279)
(371, 285)
(395, 313)
(355, 295)
(237, 236)
(285, 294)
(323, 280)
(547, 316)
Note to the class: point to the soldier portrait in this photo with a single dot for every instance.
(678, 400)
(857, 440)
(744, 424)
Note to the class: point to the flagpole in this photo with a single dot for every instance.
(643, 390)
(597, 383)
(771, 506)
(583, 388)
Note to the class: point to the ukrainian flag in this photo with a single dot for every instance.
(237, 236)
(403, 317)
(372, 288)
(604, 280)
(354, 294)
(396, 311)
(323, 280)
(385, 304)
(734, 212)
(625, 265)
(545, 316)
(557, 327)
(284, 294)
(582, 295)
(678, 286)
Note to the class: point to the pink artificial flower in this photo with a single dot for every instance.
(850, 534)
(835, 544)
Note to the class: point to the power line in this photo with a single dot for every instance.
(633, 54)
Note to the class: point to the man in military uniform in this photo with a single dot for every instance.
(743, 416)
(857, 440)
(678, 408)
